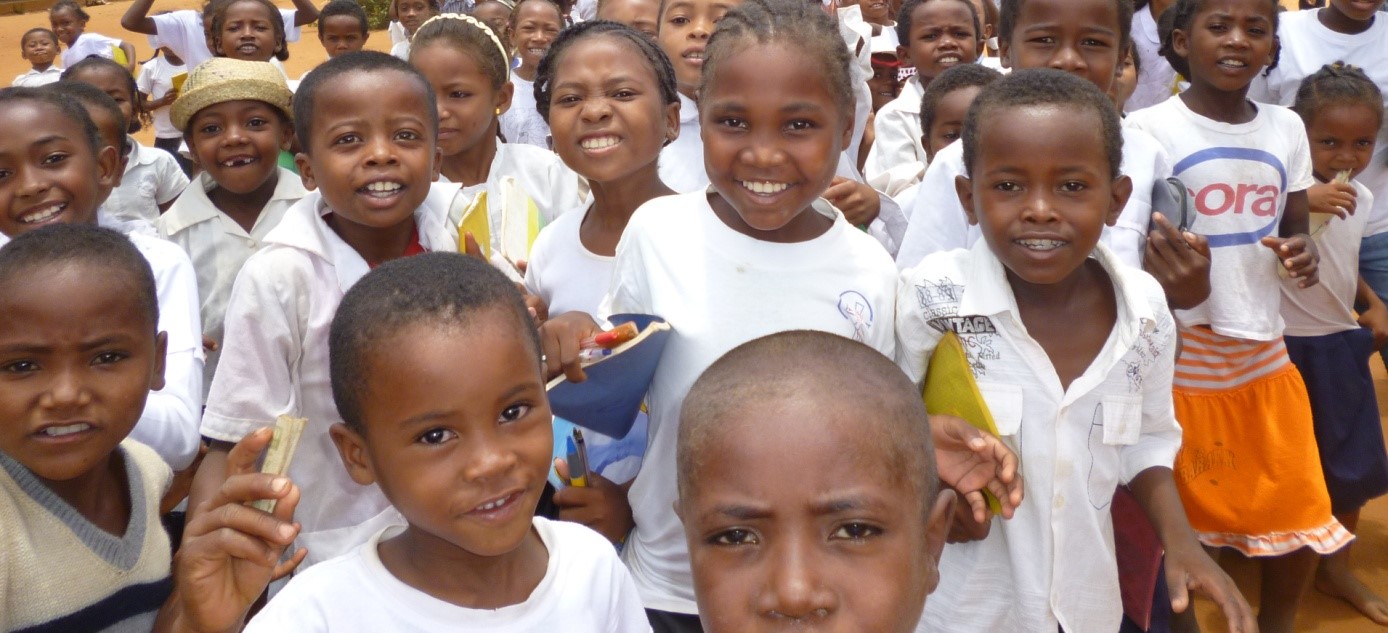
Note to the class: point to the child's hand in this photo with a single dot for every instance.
(1190, 568)
(1181, 263)
(539, 310)
(858, 201)
(472, 249)
(231, 551)
(559, 342)
(1375, 319)
(1299, 255)
(970, 460)
(1332, 197)
(209, 344)
(966, 527)
(601, 505)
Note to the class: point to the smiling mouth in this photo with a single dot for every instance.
(65, 430)
(498, 505)
(600, 142)
(763, 188)
(694, 57)
(248, 49)
(238, 161)
(43, 214)
(381, 189)
(1229, 62)
(1040, 244)
(948, 59)
(539, 52)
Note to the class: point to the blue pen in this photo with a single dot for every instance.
(578, 460)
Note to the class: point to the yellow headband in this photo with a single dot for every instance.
(505, 58)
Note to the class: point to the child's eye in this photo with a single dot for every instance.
(514, 412)
(5, 173)
(209, 129)
(459, 94)
(679, 21)
(950, 136)
(735, 536)
(569, 99)
(257, 123)
(1007, 186)
(1044, 40)
(855, 532)
(1094, 43)
(20, 367)
(55, 158)
(1073, 186)
(435, 436)
(800, 125)
(346, 139)
(408, 135)
(732, 122)
(624, 94)
(106, 358)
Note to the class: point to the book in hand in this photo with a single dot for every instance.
(950, 389)
(607, 402)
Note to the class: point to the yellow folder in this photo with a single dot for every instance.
(950, 389)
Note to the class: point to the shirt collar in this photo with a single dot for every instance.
(689, 110)
(193, 206)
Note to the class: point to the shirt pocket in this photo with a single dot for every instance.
(1122, 419)
(1005, 405)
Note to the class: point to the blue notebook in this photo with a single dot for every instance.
(608, 401)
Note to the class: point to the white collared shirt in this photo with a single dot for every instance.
(89, 44)
(36, 78)
(1156, 82)
(897, 129)
(1053, 563)
(681, 163)
(275, 362)
(152, 178)
(219, 246)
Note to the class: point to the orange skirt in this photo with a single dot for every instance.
(1248, 470)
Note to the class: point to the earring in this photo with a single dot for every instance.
(498, 111)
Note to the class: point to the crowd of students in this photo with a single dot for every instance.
(1151, 229)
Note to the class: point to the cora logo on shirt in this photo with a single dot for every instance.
(1229, 204)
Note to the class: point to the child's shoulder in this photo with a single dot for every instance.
(673, 214)
(165, 258)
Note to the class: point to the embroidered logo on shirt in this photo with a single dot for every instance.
(858, 310)
(939, 298)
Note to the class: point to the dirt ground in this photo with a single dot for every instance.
(1321, 614)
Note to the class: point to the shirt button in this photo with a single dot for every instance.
(1059, 501)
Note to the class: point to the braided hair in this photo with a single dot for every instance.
(1337, 84)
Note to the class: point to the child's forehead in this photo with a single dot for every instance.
(37, 35)
(342, 20)
(243, 7)
(28, 121)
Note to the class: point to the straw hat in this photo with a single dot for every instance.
(223, 79)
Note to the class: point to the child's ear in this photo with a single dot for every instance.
(438, 163)
(108, 167)
(849, 122)
(902, 52)
(1005, 53)
(936, 531)
(925, 145)
(1179, 43)
(156, 375)
(964, 188)
(982, 48)
(1122, 190)
(351, 447)
(503, 98)
(672, 122)
(305, 166)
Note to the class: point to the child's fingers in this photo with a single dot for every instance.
(284, 508)
(561, 468)
(288, 566)
(248, 521)
(243, 455)
(231, 543)
(1237, 613)
(1177, 588)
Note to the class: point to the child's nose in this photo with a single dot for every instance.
(66, 392)
(795, 591)
(1069, 60)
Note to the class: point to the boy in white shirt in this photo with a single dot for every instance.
(1074, 354)
(366, 209)
(156, 84)
(464, 456)
(39, 47)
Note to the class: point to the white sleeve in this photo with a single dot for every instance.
(915, 338)
(1261, 89)
(892, 144)
(262, 340)
(1300, 177)
(171, 31)
(291, 32)
(535, 265)
(938, 222)
(171, 181)
(889, 227)
(1161, 435)
(169, 423)
(626, 613)
(145, 81)
(397, 33)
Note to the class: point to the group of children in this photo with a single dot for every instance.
(1172, 309)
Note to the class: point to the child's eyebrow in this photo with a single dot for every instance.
(740, 512)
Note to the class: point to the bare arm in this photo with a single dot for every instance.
(306, 13)
(136, 18)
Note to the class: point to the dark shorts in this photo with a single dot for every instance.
(1344, 408)
(667, 622)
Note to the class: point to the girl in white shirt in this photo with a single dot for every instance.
(533, 27)
(69, 22)
(525, 187)
(1329, 344)
(608, 93)
(157, 93)
(1249, 444)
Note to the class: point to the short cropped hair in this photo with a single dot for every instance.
(1043, 87)
(788, 23)
(67, 108)
(645, 48)
(905, 19)
(53, 37)
(349, 8)
(954, 78)
(806, 367)
(1010, 9)
(85, 94)
(109, 253)
(446, 290)
(306, 97)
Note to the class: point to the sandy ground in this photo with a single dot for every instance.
(1321, 613)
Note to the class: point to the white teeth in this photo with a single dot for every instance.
(239, 161)
(1236, 63)
(949, 59)
(765, 188)
(493, 504)
(383, 187)
(538, 51)
(694, 56)
(45, 214)
(1041, 245)
(58, 431)
(602, 142)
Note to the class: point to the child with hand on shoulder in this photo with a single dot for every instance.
(533, 27)
(367, 124)
(1328, 343)
(608, 93)
(157, 94)
(525, 187)
(760, 252)
(170, 418)
(39, 47)
(1072, 349)
(69, 22)
(464, 456)
(236, 116)
(187, 32)
(1249, 443)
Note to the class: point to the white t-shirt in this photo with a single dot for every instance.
(275, 362)
(1306, 46)
(585, 589)
(156, 80)
(1238, 177)
(681, 165)
(1053, 563)
(401, 50)
(522, 123)
(1156, 81)
(1328, 307)
(898, 133)
(219, 246)
(152, 178)
(35, 78)
(937, 221)
(718, 289)
(89, 44)
(182, 32)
